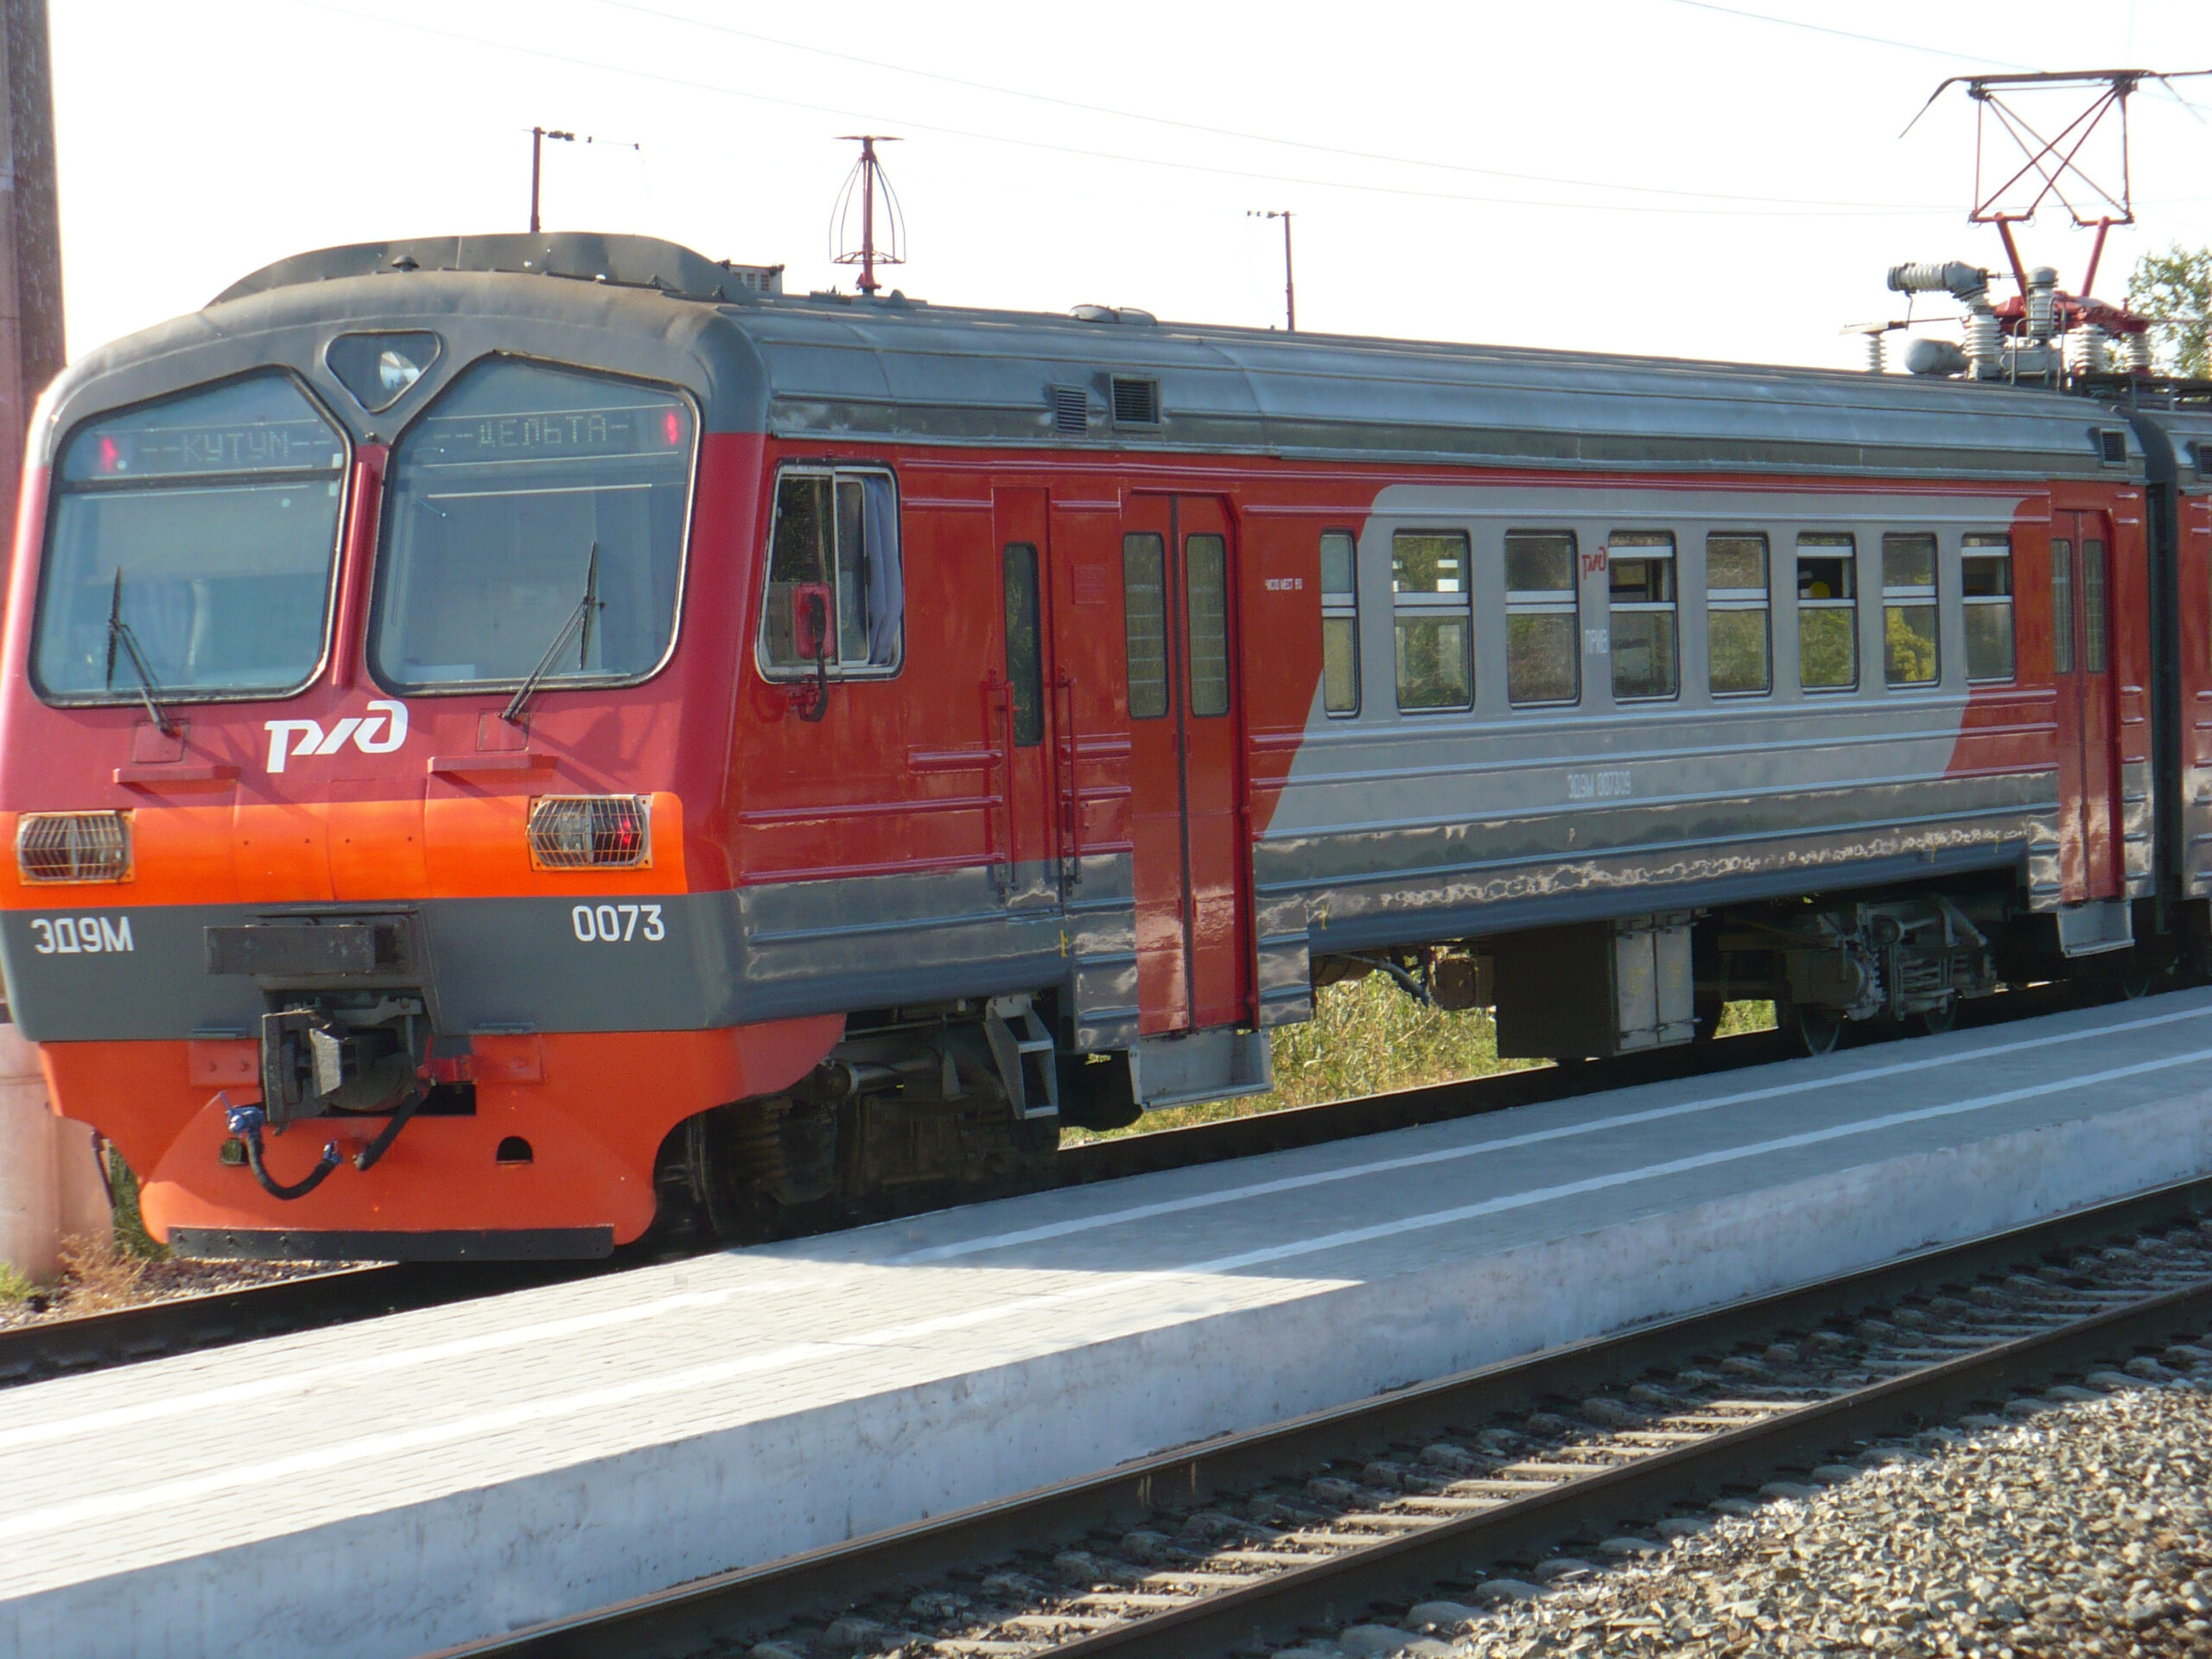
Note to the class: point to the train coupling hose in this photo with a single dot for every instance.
(246, 1122)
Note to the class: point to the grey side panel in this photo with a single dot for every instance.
(877, 941)
(1284, 968)
(1103, 935)
(683, 962)
(1403, 883)
(2137, 813)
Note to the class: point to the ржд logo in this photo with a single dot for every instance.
(383, 729)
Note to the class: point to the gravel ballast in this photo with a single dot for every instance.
(2077, 1523)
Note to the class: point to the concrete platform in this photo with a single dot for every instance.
(393, 1486)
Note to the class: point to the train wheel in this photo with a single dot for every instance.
(1941, 1017)
(1821, 1031)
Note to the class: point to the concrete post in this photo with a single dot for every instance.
(50, 1185)
(49, 1182)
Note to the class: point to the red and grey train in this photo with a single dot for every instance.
(505, 737)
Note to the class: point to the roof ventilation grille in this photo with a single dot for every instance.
(1070, 410)
(2112, 446)
(1136, 403)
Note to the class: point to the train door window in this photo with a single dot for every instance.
(2062, 605)
(1206, 567)
(1640, 569)
(1339, 624)
(2094, 616)
(1740, 641)
(1144, 599)
(1909, 655)
(1827, 612)
(1986, 585)
(1433, 606)
(835, 591)
(1024, 662)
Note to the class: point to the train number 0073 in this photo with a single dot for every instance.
(617, 924)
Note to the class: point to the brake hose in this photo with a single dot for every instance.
(246, 1122)
(366, 1160)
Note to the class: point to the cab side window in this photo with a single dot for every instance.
(836, 596)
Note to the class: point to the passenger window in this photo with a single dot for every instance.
(1339, 624)
(1434, 616)
(2093, 606)
(1986, 585)
(1739, 642)
(1543, 660)
(1144, 601)
(836, 594)
(1827, 612)
(1641, 569)
(2062, 606)
(1205, 576)
(1024, 659)
(1909, 656)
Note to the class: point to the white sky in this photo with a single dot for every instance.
(1724, 184)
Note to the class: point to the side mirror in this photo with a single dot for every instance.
(811, 620)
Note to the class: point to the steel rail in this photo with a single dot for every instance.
(752, 1601)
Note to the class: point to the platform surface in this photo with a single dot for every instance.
(388, 1487)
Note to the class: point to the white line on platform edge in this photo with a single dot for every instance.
(1504, 1143)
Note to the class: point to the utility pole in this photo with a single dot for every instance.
(538, 137)
(50, 1185)
(867, 177)
(1289, 279)
(31, 351)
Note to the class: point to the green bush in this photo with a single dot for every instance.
(1367, 1037)
(132, 1238)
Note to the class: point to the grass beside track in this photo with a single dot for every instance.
(1368, 1037)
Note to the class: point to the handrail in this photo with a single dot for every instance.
(1071, 788)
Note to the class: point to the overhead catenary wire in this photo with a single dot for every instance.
(1356, 187)
(1237, 134)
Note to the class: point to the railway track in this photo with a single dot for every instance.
(92, 1342)
(1457, 1487)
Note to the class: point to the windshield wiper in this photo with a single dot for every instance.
(119, 632)
(586, 608)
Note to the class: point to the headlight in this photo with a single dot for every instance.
(591, 832)
(58, 847)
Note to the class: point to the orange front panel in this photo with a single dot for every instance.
(595, 1108)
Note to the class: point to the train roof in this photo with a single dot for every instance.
(840, 367)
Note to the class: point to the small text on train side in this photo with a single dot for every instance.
(82, 935)
(617, 924)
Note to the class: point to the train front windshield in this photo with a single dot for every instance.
(533, 516)
(193, 545)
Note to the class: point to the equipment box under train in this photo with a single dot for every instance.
(1596, 989)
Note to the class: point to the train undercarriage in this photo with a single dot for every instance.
(923, 1106)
